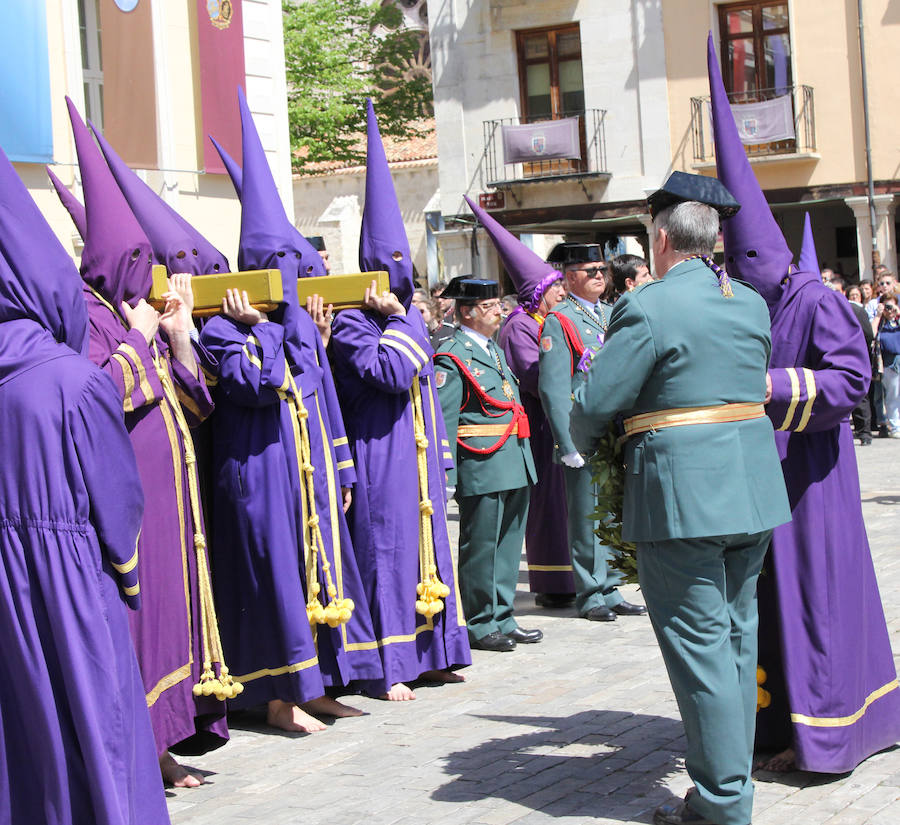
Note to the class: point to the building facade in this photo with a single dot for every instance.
(561, 116)
(156, 79)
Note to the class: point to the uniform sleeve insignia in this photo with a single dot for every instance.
(547, 344)
(440, 378)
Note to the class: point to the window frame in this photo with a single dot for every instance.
(556, 111)
(757, 37)
(91, 60)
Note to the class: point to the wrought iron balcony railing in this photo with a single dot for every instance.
(804, 115)
(500, 171)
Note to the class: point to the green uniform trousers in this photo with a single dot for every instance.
(491, 535)
(595, 580)
(701, 595)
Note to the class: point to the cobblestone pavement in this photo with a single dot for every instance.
(582, 727)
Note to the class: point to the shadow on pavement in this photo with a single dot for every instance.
(605, 763)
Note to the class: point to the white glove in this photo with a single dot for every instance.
(451, 491)
(573, 460)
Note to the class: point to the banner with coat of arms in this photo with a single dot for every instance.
(764, 122)
(221, 56)
(546, 140)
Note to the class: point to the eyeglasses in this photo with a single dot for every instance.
(593, 271)
(487, 306)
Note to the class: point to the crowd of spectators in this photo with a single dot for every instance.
(876, 307)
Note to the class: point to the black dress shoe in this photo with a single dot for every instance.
(677, 812)
(524, 637)
(865, 440)
(554, 600)
(601, 613)
(496, 642)
(629, 609)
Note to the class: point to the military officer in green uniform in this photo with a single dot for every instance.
(685, 362)
(575, 325)
(488, 432)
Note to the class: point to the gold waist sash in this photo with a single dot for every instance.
(473, 430)
(684, 416)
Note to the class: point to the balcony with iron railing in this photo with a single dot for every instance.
(516, 149)
(802, 146)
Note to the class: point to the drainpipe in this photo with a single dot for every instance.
(865, 98)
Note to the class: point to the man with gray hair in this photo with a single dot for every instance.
(684, 361)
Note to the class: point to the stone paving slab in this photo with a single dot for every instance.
(580, 728)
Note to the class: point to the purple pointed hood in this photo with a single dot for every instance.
(231, 166)
(382, 241)
(268, 239)
(74, 207)
(117, 259)
(38, 283)
(175, 242)
(529, 272)
(809, 259)
(755, 249)
(46, 286)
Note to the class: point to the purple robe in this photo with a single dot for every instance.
(546, 537)
(376, 361)
(75, 738)
(259, 569)
(822, 626)
(167, 630)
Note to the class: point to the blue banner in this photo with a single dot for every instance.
(26, 130)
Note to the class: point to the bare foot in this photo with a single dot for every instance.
(783, 762)
(446, 677)
(289, 717)
(326, 706)
(398, 693)
(177, 775)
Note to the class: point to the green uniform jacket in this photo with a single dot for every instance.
(679, 343)
(511, 466)
(556, 382)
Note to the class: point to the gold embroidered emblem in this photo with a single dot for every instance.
(220, 13)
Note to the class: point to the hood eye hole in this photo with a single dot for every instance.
(398, 255)
(731, 259)
(216, 267)
(752, 253)
(309, 270)
(297, 255)
(181, 254)
(195, 252)
(136, 254)
(280, 253)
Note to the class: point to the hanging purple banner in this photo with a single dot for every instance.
(546, 140)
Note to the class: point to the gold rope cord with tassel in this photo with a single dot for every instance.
(431, 591)
(338, 611)
(221, 686)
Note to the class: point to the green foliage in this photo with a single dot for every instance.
(337, 53)
(608, 468)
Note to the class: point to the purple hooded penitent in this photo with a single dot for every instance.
(162, 398)
(75, 738)
(74, 207)
(116, 261)
(755, 249)
(383, 244)
(530, 274)
(823, 642)
(385, 378)
(546, 537)
(275, 396)
(174, 241)
(808, 260)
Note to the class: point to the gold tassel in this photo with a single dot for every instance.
(336, 611)
(222, 686)
(431, 591)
